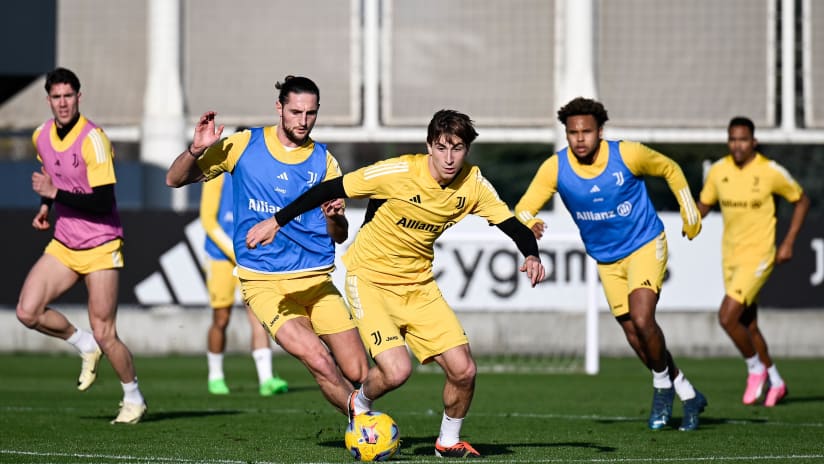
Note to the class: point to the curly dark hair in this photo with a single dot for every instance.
(583, 106)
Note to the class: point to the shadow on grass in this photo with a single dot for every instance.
(801, 399)
(425, 446)
(174, 415)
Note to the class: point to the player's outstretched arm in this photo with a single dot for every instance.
(184, 169)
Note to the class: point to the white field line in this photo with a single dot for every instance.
(81, 457)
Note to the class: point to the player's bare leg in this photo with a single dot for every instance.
(651, 341)
(749, 319)
(729, 316)
(298, 338)
(216, 336)
(47, 280)
(347, 349)
(269, 383)
(215, 347)
(460, 370)
(103, 287)
(778, 389)
(392, 368)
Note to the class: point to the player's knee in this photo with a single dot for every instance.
(727, 320)
(465, 375)
(105, 335)
(27, 316)
(319, 362)
(396, 374)
(355, 371)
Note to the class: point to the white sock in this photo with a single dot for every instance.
(131, 393)
(362, 403)
(754, 365)
(661, 379)
(775, 377)
(263, 364)
(82, 341)
(683, 387)
(215, 365)
(450, 431)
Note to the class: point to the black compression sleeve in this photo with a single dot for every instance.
(46, 201)
(522, 236)
(100, 201)
(311, 199)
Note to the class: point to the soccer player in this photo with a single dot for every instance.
(77, 177)
(217, 219)
(601, 183)
(288, 286)
(390, 287)
(743, 184)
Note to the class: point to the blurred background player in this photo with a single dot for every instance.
(743, 184)
(288, 285)
(601, 184)
(78, 178)
(390, 286)
(217, 219)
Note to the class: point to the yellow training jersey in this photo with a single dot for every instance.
(745, 196)
(408, 211)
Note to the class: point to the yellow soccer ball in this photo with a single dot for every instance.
(372, 436)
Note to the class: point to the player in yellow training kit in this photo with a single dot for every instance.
(390, 286)
(743, 184)
(602, 185)
(217, 219)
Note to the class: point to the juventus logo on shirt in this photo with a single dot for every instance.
(619, 178)
(313, 177)
(461, 203)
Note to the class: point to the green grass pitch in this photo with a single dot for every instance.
(515, 418)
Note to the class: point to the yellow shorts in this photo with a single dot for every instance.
(106, 256)
(644, 268)
(276, 301)
(388, 315)
(221, 282)
(743, 281)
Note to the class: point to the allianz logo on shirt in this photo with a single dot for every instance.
(262, 206)
(624, 209)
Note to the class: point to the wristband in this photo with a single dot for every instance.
(191, 153)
